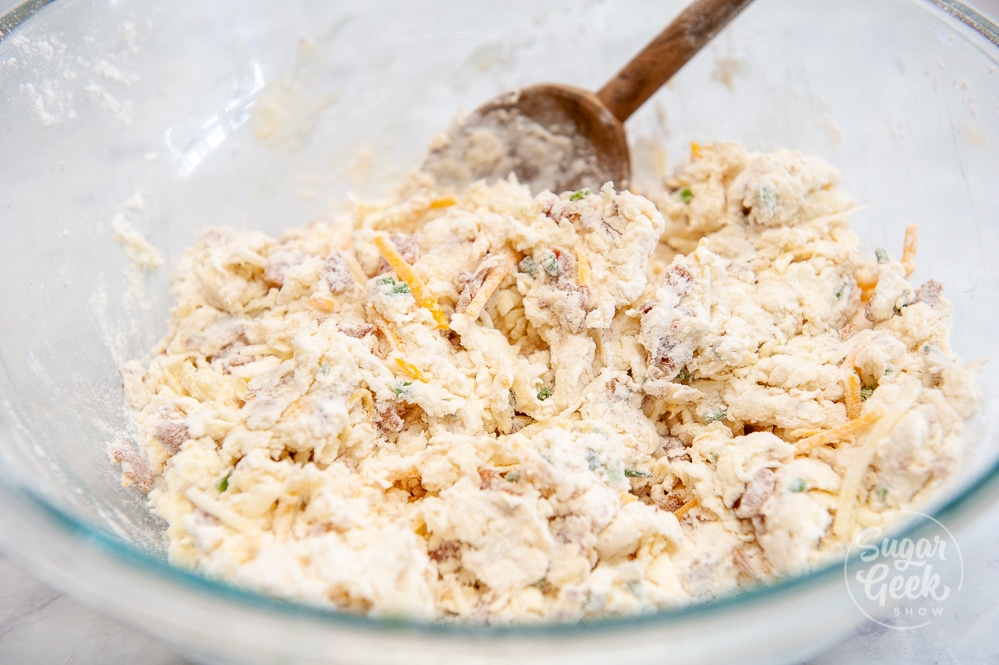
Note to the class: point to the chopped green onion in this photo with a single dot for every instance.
(683, 377)
(512, 476)
(224, 483)
(579, 194)
(768, 196)
(402, 390)
(721, 414)
(632, 473)
(592, 459)
(686, 195)
(881, 255)
(544, 393)
(550, 263)
(528, 265)
(883, 492)
(799, 485)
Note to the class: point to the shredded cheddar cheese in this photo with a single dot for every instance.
(582, 266)
(411, 369)
(406, 273)
(853, 397)
(442, 202)
(685, 508)
(841, 433)
(909, 249)
(495, 277)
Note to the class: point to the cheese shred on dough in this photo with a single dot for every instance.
(498, 407)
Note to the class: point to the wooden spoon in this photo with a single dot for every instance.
(560, 137)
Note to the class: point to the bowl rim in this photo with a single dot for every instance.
(984, 486)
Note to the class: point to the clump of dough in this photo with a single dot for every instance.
(498, 407)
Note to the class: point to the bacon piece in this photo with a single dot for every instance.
(758, 490)
(336, 274)
(133, 467)
(171, 434)
(357, 330)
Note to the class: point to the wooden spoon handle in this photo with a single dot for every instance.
(666, 54)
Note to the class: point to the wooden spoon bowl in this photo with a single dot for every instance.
(560, 137)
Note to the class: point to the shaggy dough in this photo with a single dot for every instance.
(498, 407)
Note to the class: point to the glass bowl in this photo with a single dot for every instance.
(165, 117)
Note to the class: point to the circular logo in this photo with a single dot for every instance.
(902, 581)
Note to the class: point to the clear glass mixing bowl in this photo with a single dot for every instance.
(167, 117)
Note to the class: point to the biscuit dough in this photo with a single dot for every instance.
(498, 407)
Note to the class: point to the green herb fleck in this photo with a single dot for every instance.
(636, 473)
(528, 265)
(926, 348)
(512, 398)
(839, 292)
(512, 477)
(401, 390)
(324, 369)
(721, 414)
(386, 281)
(768, 197)
(544, 393)
(866, 392)
(881, 255)
(683, 377)
(799, 485)
(550, 263)
(401, 287)
(615, 470)
(592, 459)
(686, 195)
(883, 492)
(579, 194)
(224, 483)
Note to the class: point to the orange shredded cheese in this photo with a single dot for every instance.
(685, 508)
(405, 272)
(411, 369)
(491, 283)
(867, 279)
(442, 202)
(364, 395)
(386, 330)
(293, 409)
(909, 249)
(841, 433)
(853, 399)
(695, 150)
(582, 267)
(322, 302)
